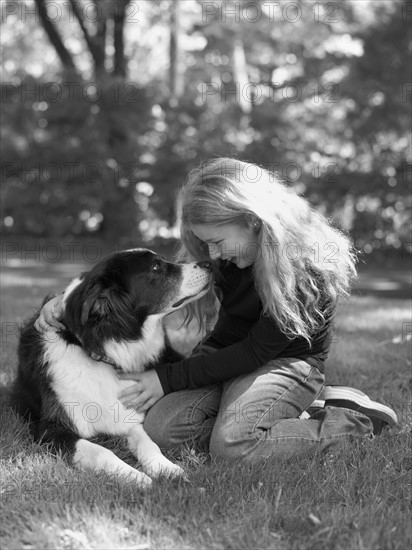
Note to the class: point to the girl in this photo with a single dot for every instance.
(280, 271)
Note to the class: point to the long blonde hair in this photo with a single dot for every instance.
(303, 263)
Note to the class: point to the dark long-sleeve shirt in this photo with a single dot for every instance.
(244, 338)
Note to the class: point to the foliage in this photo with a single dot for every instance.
(302, 92)
(70, 164)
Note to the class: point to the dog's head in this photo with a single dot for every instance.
(115, 299)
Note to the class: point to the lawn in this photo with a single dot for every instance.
(357, 496)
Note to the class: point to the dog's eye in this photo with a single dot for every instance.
(156, 266)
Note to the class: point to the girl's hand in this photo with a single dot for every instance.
(145, 393)
(50, 315)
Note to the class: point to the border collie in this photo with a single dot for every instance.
(66, 383)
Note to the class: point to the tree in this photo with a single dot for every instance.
(176, 74)
(107, 14)
(297, 87)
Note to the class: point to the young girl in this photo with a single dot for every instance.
(280, 271)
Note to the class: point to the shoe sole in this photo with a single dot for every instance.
(316, 406)
(364, 403)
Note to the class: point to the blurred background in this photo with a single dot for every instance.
(107, 105)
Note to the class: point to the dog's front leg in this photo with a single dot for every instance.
(149, 455)
(88, 455)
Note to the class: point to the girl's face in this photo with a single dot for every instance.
(232, 242)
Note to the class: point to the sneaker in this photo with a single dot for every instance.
(316, 406)
(350, 398)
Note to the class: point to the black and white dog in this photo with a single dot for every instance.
(67, 383)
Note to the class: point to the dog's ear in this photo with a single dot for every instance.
(89, 303)
(102, 302)
(95, 303)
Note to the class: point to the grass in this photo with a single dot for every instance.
(356, 496)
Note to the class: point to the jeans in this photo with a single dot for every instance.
(255, 416)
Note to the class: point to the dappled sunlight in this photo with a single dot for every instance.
(392, 318)
(385, 285)
(15, 280)
(40, 275)
(58, 267)
(394, 283)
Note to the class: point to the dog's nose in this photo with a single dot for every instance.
(206, 265)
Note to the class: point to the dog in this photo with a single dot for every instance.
(66, 383)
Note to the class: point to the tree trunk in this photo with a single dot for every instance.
(101, 30)
(54, 37)
(119, 17)
(94, 43)
(176, 75)
(241, 76)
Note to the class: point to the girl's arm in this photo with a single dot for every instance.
(263, 343)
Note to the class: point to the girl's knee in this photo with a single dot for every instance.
(183, 417)
(228, 443)
(166, 422)
(157, 428)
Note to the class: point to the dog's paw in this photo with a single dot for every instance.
(173, 471)
(142, 480)
(164, 468)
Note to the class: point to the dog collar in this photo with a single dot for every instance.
(105, 359)
(73, 339)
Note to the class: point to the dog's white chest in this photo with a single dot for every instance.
(88, 390)
(132, 356)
